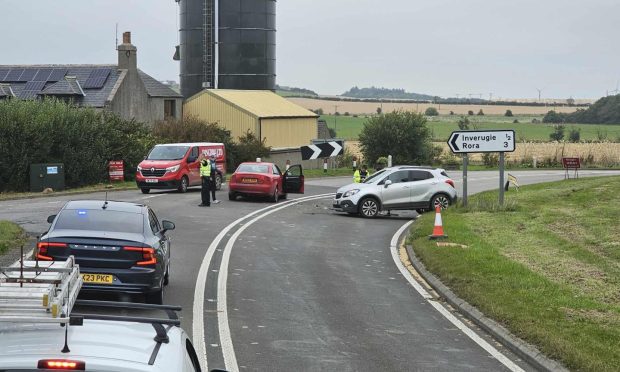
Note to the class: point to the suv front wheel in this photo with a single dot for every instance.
(369, 207)
(440, 200)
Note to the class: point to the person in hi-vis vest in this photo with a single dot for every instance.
(205, 176)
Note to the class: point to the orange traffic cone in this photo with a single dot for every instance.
(438, 229)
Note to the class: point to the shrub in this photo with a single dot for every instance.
(490, 159)
(554, 117)
(558, 133)
(463, 123)
(248, 148)
(515, 121)
(431, 111)
(480, 113)
(332, 132)
(379, 110)
(336, 113)
(346, 113)
(451, 112)
(535, 121)
(470, 113)
(574, 135)
(508, 113)
(318, 111)
(381, 163)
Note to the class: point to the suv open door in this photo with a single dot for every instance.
(294, 180)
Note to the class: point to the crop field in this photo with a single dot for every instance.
(329, 107)
(349, 127)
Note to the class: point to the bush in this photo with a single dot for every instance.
(508, 113)
(431, 111)
(515, 121)
(332, 132)
(379, 110)
(381, 163)
(480, 113)
(554, 117)
(463, 123)
(490, 159)
(403, 134)
(248, 148)
(451, 112)
(336, 113)
(574, 135)
(83, 139)
(535, 121)
(558, 133)
(318, 111)
(346, 113)
(470, 113)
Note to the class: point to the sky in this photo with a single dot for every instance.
(566, 48)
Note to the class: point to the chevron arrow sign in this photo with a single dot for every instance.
(321, 150)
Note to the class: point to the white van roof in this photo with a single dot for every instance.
(192, 144)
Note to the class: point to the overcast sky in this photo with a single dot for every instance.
(440, 47)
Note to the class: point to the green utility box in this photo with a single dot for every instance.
(43, 176)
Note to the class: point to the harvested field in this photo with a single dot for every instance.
(371, 107)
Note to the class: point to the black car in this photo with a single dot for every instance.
(121, 247)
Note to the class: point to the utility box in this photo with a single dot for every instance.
(43, 176)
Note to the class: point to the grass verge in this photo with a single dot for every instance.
(546, 265)
(11, 235)
(129, 185)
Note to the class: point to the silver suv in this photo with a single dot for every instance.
(397, 188)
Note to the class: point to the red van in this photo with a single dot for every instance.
(176, 166)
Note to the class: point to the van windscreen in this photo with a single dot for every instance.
(168, 153)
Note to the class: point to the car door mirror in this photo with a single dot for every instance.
(167, 225)
(387, 183)
(50, 219)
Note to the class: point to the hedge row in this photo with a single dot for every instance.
(51, 131)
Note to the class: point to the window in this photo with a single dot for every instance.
(399, 176)
(192, 355)
(170, 108)
(276, 170)
(194, 154)
(100, 220)
(168, 153)
(253, 168)
(420, 175)
(154, 222)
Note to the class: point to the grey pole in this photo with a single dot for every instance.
(465, 162)
(501, 178)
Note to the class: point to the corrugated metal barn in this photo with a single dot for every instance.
(267, 115)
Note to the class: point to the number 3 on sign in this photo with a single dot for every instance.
(505, 145)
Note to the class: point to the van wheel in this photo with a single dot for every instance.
(369, 207)
(145, 191)
(184, 184)
(218, 182)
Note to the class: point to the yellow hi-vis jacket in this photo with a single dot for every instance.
(356, 176)
(205, 168)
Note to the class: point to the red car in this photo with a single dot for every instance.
(265, 179)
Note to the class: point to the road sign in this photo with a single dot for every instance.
(321, 150)
(463, 142)
(116, 170)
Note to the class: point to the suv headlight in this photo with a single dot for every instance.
(351, 193)
(139, 168)
(173, 169)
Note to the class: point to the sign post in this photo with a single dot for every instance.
(472, 141)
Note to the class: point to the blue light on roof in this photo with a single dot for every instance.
(81, 212)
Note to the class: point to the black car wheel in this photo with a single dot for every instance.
(440, 200)
(232, 196)
(184, 184)
(167, 276)
(369, 207)
(145, 191)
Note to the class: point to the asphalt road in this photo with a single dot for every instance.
(295, 286)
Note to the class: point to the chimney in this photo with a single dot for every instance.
(127, 54)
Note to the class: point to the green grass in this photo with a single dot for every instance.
(349, 127)
(128, 185)
(338, 172)
(11, 235)
(547, 265)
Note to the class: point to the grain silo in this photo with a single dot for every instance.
(227, 44)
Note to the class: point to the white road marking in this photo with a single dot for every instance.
(442, 310)
(198, 329)
(27, 254)
(230, 360)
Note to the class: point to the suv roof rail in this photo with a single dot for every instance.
(39, 291)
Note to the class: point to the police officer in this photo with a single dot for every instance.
(357, 178)
(205, 176)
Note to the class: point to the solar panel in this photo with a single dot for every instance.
(57, 74)
(28, 74)
(31, 89)
(3, 73)
(14, 74)
(97, 78)
(43, 74)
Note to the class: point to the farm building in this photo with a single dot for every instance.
(264, 113)
(121, 88)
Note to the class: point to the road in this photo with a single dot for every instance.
(295, 286)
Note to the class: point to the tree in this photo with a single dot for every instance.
(451, 112)
(463, 123)
(379, 110)
(431, 111)
(480, 113)
(318, 111)
(558, 133)
(470, 113)
(332, 132)
(402, 134)
(248, 148)
(554, 117)
(508, 113)
(574, 135)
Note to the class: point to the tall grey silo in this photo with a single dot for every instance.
(245, 56)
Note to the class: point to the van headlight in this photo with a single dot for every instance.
(139, 168)
(351, 193)
(173, 168)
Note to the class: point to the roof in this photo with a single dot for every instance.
(262, 104)
(111, 206)
(192, 144)
(18, 77)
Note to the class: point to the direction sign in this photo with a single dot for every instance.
(463, 142)
(321, 150)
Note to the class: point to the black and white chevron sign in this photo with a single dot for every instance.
(321, 150)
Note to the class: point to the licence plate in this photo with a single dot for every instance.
(97, 278)
(249, 180)
(151, 180)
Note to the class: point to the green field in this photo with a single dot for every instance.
(349, 127)
(547, 266)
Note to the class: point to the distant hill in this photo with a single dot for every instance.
(604, 111)
(386, 93)
(285, 91)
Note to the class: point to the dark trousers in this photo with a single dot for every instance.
(213, 187)
(204, 193)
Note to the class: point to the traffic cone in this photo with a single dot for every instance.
(438, 229)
